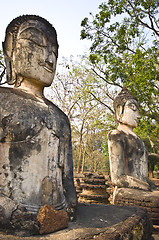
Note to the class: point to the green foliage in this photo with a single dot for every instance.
(125, 52)
(125, 44)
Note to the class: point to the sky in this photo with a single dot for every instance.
(64, 15)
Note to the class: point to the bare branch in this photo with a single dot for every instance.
(102, 102)
(57, 93)
(73, 105)
(139, 19)
(114, 84)
(153, 154)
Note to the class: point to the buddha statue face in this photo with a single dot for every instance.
(126, 109)
(33, 52)
(34, 56)
(130, 115)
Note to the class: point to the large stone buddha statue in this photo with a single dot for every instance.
(129, 159)
(36, 166)
(127, 152)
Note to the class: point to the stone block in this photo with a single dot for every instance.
(155, 215)
(133, 197)
(7, 206)
(155, 210)
(24, 221)
(49, 220)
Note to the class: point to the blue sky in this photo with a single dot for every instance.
(64, 15)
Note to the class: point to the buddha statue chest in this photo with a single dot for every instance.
(129, 155)
(23, 118)
(33, 136)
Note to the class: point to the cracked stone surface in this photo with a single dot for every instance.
(104, 221)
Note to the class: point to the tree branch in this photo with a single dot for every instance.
(153, 154)
(115, 42)
(102, 102)
(139, 19)
(114, 84)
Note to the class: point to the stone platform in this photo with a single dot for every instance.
(100, 222)
(156, 182)
(139, 198)
(92, 188)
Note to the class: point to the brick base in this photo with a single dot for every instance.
(139, 198)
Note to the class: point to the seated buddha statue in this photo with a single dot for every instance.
(36, 166)
(127, 152)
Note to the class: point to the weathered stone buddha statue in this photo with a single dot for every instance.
(127, 152)
(36, 166)
(129, 159)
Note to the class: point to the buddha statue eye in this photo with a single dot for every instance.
(33, 35)
(35, 42)
(133, 106)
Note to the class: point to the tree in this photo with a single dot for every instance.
(73, 91)
(125, 52)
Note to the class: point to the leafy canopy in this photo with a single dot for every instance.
(125, 52)
(125, 47)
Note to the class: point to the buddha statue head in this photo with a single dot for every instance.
(126, 109)
(30, 51)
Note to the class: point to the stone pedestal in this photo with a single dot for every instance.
(139, 198)
(77, 186)
(156, 182)
(101, 222)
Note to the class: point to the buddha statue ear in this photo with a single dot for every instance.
(119, 113)
(8, 51)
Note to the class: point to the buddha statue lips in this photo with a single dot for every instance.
(48, 66)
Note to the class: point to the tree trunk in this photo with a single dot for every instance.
(84, 153)
(80, 149)
(150, 174)
(79, 157)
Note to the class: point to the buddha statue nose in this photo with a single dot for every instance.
(49, 60)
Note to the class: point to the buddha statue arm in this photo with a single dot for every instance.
(68, 175)
(68, 183)
(116, 156)
(131, 182)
